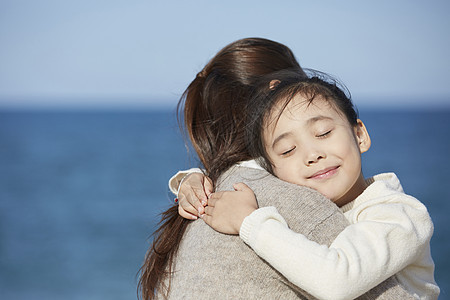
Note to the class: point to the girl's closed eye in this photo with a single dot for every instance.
(288, 152)
(324, 134)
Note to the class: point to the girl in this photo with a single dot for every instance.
(306, 132)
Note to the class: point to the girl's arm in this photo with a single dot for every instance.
(383, 242)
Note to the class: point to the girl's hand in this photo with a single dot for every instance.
(227, 210)
(193, 195)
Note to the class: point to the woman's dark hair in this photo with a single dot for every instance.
(213, 112)
(277, 90)
(213, 105)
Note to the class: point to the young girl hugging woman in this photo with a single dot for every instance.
(306, 131)
(189, 260)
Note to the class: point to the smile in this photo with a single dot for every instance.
(325, 174)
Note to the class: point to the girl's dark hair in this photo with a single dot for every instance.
(279, 88)
(213, 112)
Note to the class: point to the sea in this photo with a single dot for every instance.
(81, 192)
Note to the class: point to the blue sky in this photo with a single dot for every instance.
(132, 53)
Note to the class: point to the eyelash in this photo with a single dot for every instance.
(324, 134)
(287, 152)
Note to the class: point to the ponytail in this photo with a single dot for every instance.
(157, 267)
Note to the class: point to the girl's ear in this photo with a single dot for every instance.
(362, 136)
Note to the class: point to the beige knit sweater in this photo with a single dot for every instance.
(210, 265)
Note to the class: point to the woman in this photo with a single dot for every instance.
(175, 265)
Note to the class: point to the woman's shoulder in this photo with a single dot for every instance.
(263, 183)
(302, 208)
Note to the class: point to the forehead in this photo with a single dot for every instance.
(300, 113)
(301, 107)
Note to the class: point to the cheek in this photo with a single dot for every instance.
(347, 146)
(286, 172)
(278, 170)
(351, 150)
(352, 156)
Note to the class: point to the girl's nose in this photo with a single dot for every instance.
(314, 156)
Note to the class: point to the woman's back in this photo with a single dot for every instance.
(210, 265)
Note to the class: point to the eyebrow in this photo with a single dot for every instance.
(309, 122)
(316, 119)
(280, 137)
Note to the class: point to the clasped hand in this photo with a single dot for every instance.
(223, 211)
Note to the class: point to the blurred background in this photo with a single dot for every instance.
(88, 131)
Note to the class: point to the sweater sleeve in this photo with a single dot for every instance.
(176, 180)
(386, 238)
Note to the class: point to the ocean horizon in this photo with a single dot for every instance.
(81, 191)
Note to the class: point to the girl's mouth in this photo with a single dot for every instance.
(325, 173)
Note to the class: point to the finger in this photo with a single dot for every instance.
(200, 199)
(213, 199)
(207, 219)
(186, 214)
(195, 192)
(189, 200)
(240, 186)
(200, 193)
(208, 186)
(183, 201)
(208, 211)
